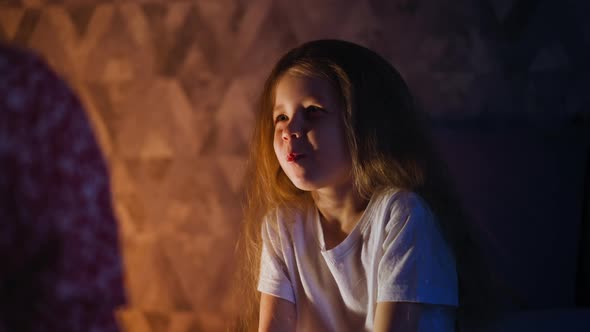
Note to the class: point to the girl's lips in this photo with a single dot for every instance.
(294, 156)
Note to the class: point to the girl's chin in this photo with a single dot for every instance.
(307, 184)
(304, 185)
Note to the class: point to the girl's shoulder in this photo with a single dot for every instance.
(284, 219)
(395, 198)
(393, 205)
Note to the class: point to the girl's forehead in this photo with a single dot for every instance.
(298, 86)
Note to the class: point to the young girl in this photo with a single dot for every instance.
(349, 223)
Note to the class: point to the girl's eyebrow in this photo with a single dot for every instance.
(278, 108)
(311, 100)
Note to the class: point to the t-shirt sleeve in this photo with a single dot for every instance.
(417, 264)
(274, 276)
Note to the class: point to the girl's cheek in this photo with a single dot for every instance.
(278, 132)
(276, 149)
(277, 141)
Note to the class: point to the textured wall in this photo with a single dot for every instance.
(170, 86)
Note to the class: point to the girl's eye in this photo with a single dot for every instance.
(313, 109)
(281, 117)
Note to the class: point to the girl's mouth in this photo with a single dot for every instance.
(294, 156)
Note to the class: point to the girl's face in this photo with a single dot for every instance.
(309, 137)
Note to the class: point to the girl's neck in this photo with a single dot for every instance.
(339, 208)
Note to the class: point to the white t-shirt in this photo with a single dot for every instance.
(395, 253)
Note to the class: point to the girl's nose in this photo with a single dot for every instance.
(293, 129)
(288, 134)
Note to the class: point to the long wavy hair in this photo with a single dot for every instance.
(389, 147)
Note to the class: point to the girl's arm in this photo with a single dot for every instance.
(397, 316)
(276, 314)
